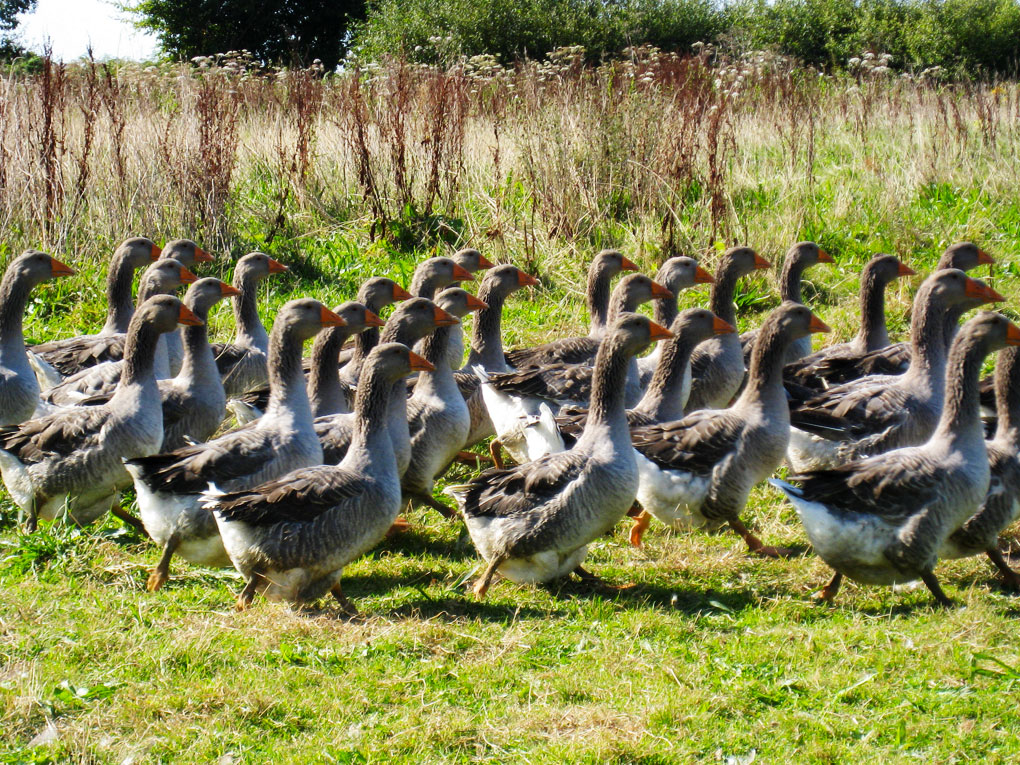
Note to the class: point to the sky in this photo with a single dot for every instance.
(70, 25)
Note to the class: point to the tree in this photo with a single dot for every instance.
(9, 10)
(274, 31)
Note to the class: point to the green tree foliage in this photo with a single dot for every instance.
(275, 31)
(963, 36)
(9, 10)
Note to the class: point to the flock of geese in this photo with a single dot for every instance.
(890, 466)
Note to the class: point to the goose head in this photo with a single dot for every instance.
(379, 292)
(35, 267)
(471, 260)
(964, 256)
(459, 302)
(137, 251)
(185, 252)
(681, 272)
(205, 293)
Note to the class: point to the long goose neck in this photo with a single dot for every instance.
(790, 278)
(765, 375)
(597, 296)
(928, 345)
(665, 311)
(14, 291)
(198, 363)
(662, 398)
(873, 334)
(324, 375)
(250, 330)
(434, 349)
(608, 392)
(140, 347)
(118, 295)
(723, 291)
(371, 438)
(486, 335)
(961, 413)
(286, 376)
(423, 284)
(1007, 396)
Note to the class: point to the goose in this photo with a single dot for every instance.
(895, 359)
(376, 293)
(187, 253)
(717, 366)
(487, 345)
(606, 265)
(879, 272)
(19, 387)
(1001, 506)
(100, 378)
(437, 414)
(699, 471)
(193, 401)
(410, 322)
(290, 538)
(560, 374)
(798, 259)
(242, 363)
(472, 261)
(71, 460)
(533, 523)
(56, 359)
(169, 485)
(675, 274)
(884, 519)
(434, 274)
(663, 401)
(883, 412)
(326, 393)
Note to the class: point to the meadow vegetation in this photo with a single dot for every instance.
(713, 655)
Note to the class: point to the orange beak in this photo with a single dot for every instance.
(701, 276)
(330, 319)
(721, 327)
(201, 256)
(188, 318)
(227, 291)
(418, 364)
(527, 280)
(984, 259)
(276, 267)
(1012, 334)
(475, 304)
(462, 274)
(658, 332)
(187, 277)
(981, 291)
(444, 319)
(824, 257)
(760, 263)
(155, 252)
(661, 293)
(60, 269)
(372, 319)
(817, 325)
(627, 265)
(904, 270)
(483, 262)
(399, 293)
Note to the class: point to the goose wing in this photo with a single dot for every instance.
(300, 496)
(516, 491)
(58, 434)
(695, 444)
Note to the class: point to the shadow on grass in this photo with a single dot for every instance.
(419, 541)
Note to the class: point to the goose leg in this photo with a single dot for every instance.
(345, 603)
(248, 593)
(130, 520)
(471, 459)
(161, 573)
(829, 591)
(495, 454)
(756, 546)
(31, 520)
(637, 531)
(481, 586)
(928, 577)
(1011, 579)
(400, 526)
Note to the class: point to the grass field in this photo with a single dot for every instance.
(713, 655)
